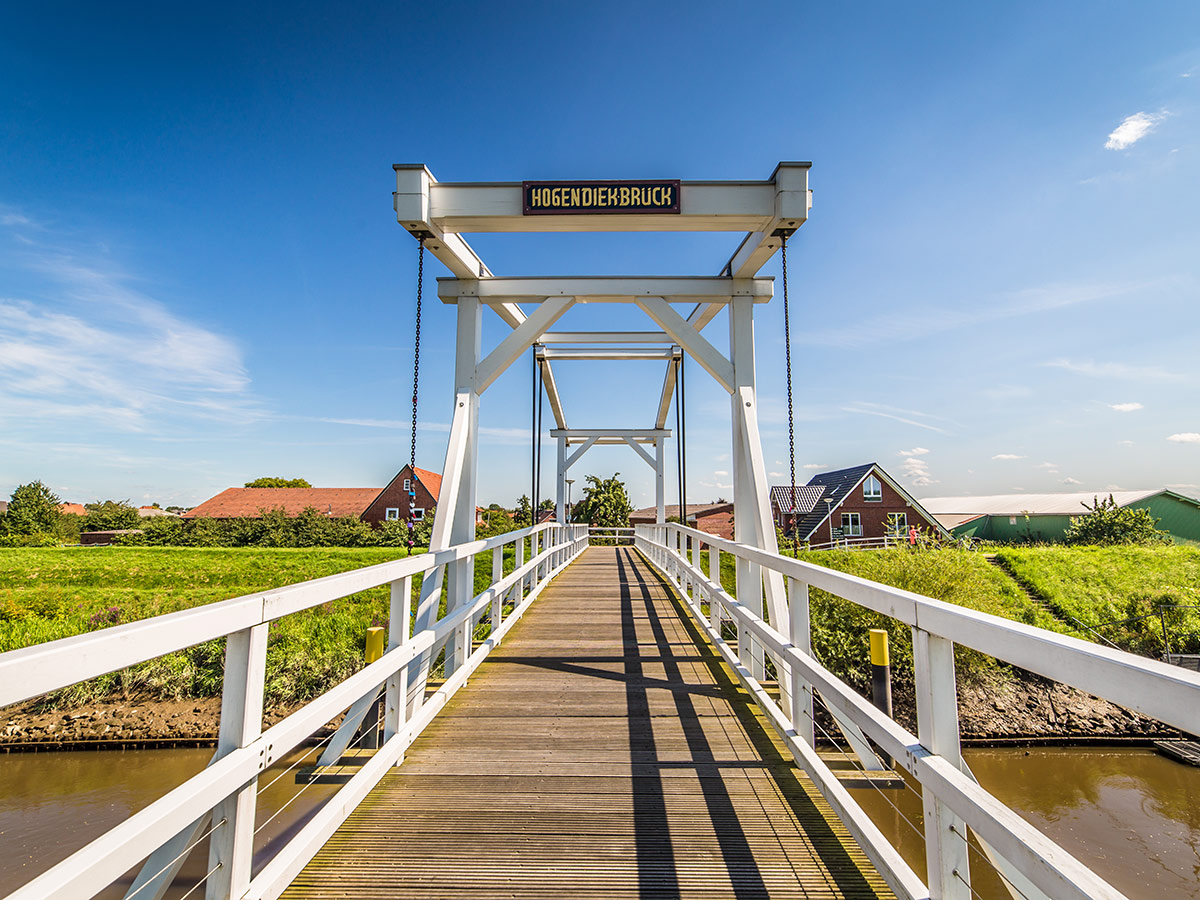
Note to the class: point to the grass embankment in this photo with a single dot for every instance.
(1100, 585)
(47, 594)
(840, 628)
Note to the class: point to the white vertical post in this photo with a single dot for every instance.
(714, 575)
(395, 715)
(518, 563)
(461, 574)
(498, 599)
(561, 480)
(752, 510)
(800, 634)
(660, 509)
(946, 852)
(231, 846)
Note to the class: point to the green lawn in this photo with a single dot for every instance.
(1098, 585)
(46, 594)
(841, 628)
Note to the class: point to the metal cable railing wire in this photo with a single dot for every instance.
(186, 850)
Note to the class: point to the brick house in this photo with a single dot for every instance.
(372, 505)
(858, 503)
(711, 518)
(392, 501)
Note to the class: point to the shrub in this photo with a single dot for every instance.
(1106, 524)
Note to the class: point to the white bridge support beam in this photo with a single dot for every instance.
(586, 438)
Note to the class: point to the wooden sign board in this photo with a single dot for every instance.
(559, 198)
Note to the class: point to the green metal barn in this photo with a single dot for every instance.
(1045, 517)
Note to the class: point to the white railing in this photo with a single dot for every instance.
(610, 536)
(856, 543)
(1030, 863)
(227, 789)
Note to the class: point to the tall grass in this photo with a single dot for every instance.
(1101, 585)
(841, 628)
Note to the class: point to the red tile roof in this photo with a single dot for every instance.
(246, 502)
(431, 480)
(72, 509)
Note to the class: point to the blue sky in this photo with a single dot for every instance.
(202, 280)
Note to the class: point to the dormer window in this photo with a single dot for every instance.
(872, 489)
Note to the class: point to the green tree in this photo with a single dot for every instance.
(33, 509)
(275, 482)
(605, 503)
(110, 515)
(523, 515)
(1106, 524)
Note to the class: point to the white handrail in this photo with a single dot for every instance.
(953, 800)
(33, 671)
(30, 672)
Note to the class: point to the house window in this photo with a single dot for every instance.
(897, 523)
(392, 514)
(418, 514)
(851, 525)
(408, 484)
(872, 489)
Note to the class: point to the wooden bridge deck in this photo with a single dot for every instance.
(599, 752)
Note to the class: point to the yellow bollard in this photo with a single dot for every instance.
(375, 639)
(881, 676)
(373, 653)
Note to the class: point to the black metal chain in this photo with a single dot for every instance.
(787, 352)
(412, 456)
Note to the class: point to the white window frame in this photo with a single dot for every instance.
(418, 514)
(851, 524)
(897, 523)
(877, 495)
(392, 514)
(408, 484)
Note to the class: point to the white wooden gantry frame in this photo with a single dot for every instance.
(766, 211)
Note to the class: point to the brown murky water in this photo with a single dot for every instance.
(51, 804)
(1132, 815)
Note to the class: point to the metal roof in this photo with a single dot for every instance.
(807, 496)
(1071, 504)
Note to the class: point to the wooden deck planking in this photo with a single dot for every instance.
(601, 751)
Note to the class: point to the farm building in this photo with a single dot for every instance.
(372, 505)
(1045, 517)
(858, 503)
(712, 518)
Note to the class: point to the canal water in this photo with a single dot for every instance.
(1132, 815)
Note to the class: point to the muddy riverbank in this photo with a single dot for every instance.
(1007, 709)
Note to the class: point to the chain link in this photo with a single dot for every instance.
(412, 456)
(787, 350)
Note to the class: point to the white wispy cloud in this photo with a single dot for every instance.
(93, 348)
(1185, 437)
(815, 466)
(1008, 456)
(1132, 129)
(1125, 407)
(907, 416)
(1111, 369)
(916, 472)
(971, 312)
(1048, 466)
(1070, 480)
(915, 451)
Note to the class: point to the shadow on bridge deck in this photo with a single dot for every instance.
(603, 750)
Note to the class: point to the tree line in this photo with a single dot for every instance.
(34, 519)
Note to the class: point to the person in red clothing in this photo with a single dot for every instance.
(912, 536)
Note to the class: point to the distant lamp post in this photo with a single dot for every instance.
(829, 516)
(569, 481)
